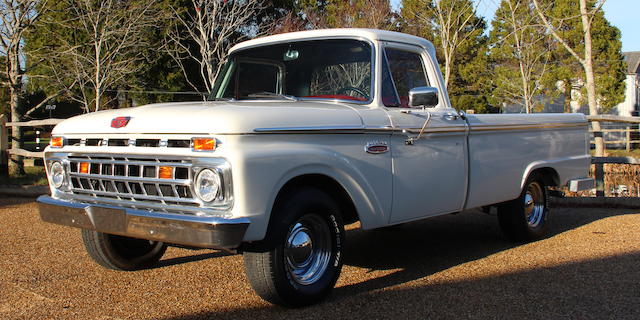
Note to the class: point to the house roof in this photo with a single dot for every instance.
(632, 59)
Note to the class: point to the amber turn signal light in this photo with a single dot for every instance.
(165, 172)
(84, 167)
(203, 144)
(57, 142)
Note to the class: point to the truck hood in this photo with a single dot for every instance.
(214, 118)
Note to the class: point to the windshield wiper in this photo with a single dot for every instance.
(266, 94)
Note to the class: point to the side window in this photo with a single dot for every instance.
(389, 95)
(407, 72)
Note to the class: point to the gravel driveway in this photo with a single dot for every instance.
(450, 267)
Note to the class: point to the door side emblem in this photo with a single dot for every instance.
(376, 147)
(120, 122)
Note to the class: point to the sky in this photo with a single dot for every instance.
(624, 14)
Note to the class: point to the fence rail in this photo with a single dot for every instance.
(617, 131)
(599, 163)
(5, 151)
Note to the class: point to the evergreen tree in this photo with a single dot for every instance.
(608, 65)
(458, 34)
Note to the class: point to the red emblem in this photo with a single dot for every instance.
(120, 122)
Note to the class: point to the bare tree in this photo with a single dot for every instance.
(288, 23)
(586, 15)
(17, 18)
(99, 45)
(214, 26)
(454, 21)
(522, 52)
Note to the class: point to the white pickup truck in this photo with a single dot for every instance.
(304, 133)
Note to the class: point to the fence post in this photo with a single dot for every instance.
(4, 145)
(599, 179)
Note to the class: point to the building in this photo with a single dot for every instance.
(631, 104)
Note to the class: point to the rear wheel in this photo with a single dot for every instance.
(122, 253)
(525, 218)
(300, 260)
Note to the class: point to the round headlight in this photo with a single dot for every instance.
(57, 174)
(207, 185)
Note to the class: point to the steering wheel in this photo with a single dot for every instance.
(359, 91)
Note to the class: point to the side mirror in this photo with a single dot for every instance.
(423, 97)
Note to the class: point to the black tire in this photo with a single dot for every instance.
(122, 253)
(277, 268)
(525, 218)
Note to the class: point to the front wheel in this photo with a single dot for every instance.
(525, 218)
(122, 253)
(300, 260)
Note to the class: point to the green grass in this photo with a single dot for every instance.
(33, 176)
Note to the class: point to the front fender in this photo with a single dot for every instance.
(261, 172)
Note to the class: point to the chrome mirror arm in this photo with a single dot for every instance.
(411, 140)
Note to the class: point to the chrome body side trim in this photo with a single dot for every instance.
(476, 128)
(197, 231)
(361, 129)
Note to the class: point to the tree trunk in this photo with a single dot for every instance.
(98, 93)
(16, 163)
(447, 70)
(591, 82)
(567, 96)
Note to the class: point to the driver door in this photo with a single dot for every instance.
(429, 175)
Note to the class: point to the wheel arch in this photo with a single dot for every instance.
(325, 183)
(549, 175)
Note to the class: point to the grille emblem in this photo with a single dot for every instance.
(120, 122)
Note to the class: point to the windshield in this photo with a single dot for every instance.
(320, 69)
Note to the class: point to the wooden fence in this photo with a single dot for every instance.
(599, 163)
(5, 151)
(631, 137)
(627, 131)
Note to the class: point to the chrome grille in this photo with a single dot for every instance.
(126, 142)
(134, 182)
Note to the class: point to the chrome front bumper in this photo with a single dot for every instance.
(197, 231)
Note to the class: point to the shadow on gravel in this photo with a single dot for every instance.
(595, 289)
(186, 259)
(424, 248)
(605, 288)
(7, 200)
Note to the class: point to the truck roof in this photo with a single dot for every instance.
(369, 34)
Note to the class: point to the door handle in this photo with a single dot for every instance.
(451, 117)
(455, 116)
